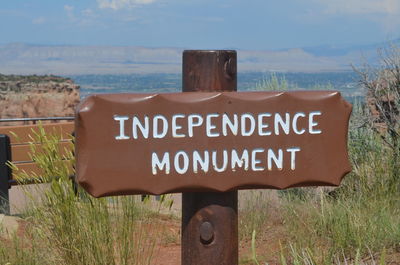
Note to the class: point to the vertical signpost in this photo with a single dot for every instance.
(207, 143)
(209, 219)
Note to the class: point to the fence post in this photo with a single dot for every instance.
(209, 219)
(5, 173)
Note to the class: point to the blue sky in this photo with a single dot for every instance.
(200, 24)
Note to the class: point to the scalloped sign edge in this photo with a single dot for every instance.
(210, 141)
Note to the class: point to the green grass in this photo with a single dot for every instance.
(67, 228)
(357, 223)
(275, 83)
(254, 210)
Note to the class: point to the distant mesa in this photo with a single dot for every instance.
(20, 58)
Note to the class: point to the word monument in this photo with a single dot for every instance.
(208, 144)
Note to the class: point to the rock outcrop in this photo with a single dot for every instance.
(37, 96)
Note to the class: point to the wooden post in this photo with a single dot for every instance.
(209, 219)
(5, 173)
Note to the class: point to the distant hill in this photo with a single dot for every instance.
(12, 82)
(37, 96)
(19, 58)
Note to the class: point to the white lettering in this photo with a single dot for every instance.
(255, 161)
(156, 133)
(175, 126)
(197, 160)
(285, 125)
(262, 126)
(294, 123)
(312, 123)
(220, 160)
(292, 152)
(210, 126)
(239, 161)
(244, 117)
(226, 122)
(277, 160)
(224, 161)
(121, 120)
(192, 124)
(163, 164)
(144, 129)
(185, 167)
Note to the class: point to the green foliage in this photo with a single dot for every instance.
(27, 251)
(253, 248)
(362, 216)
(71, 229)
(254, 212)
(382, 85)
(273, 83)
(280, 83)
(357, 222)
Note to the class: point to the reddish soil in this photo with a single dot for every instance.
(268, 245)
(168, 255)
(168, 251)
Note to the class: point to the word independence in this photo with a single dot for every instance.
(219, 125)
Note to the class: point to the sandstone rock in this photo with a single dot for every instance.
(45, 96)
(8, 225)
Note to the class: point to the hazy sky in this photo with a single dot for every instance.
(200, 24)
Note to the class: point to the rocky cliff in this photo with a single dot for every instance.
(37, 96)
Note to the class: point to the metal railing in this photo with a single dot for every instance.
(6, 181)
(34, 120)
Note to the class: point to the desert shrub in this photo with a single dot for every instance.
(382, 85)
(364, 214)
(254, 210)
(360, 220)
(272, 83)
(71, 228)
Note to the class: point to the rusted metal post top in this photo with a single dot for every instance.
(209, 70)
(209, 51)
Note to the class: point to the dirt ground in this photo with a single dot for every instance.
(169, 253)
(269, 245)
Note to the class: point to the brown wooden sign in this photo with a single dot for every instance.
(200, 141)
